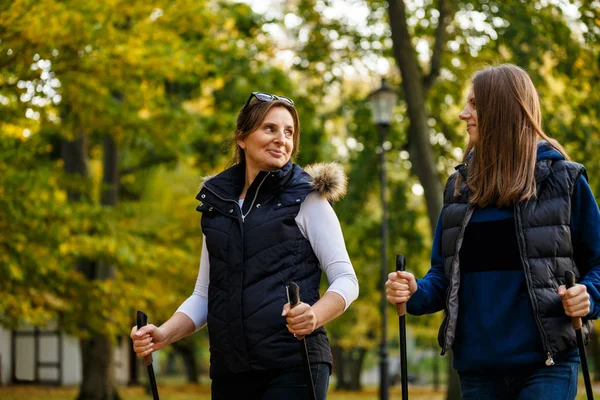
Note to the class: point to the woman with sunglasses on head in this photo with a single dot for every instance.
(517, 215)
(266, 223)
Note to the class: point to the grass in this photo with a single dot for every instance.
(202, 392)
(192, 392)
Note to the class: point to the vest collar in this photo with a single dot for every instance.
(229, 184)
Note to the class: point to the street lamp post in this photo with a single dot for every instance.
(382, 102)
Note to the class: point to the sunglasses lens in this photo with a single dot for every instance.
(263, 96)
(287, 100)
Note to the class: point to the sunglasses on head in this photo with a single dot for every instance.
(261, 96)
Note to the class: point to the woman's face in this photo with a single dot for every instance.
(469, 115)
(270, 146)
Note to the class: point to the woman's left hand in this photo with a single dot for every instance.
(301, 320)
(576, 300)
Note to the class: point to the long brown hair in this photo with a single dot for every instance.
(250, 118)
(501, 160)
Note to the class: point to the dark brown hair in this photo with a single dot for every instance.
(250, 118)
(502, 166)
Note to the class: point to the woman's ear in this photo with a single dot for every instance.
(240, 142)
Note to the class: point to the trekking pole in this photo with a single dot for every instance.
(293, 291)
(576, 321)
(142, 320)
(401, 311)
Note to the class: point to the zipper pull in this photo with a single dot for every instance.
(549, 360)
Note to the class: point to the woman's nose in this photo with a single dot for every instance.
(279, 136)
(464, 114)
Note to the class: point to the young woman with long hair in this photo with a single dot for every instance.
(517, 215)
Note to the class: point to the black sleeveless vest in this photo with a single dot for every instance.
(544, 238)
(254, 253)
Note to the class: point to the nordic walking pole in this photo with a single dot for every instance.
(293, 292)
(401, 311)
(142, 320)
(569, 283)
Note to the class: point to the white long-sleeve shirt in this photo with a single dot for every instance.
(319, 224)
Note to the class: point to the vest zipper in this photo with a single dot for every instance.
(237, 203)
(549, 360)
(461, 234)
(254, 199)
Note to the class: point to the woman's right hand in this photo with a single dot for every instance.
(147, 340)
(400, 286)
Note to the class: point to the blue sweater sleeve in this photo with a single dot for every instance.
(585, 235)
(431, 293)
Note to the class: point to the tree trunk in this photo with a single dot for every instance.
(98, 381)
(436, 373)
(419, 147)
(421, 152)
(338, 366)
(356, 366)
(75, 158)
(186, 351)
(98, 372)
(348, 367)
(110, 178)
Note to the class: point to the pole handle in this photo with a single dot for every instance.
(400, 266)
(293, 294)
(569, 283)
(142, 320)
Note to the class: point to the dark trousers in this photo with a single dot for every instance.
(558, 382)
(288, 384)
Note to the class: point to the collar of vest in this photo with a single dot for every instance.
(290, 184)
(230, 183)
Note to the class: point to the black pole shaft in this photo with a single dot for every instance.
(401, 311)
(142, 320)
(293, 291)
(584, 366)
(312, 394)
(403, 363)
(569, 283)
(153, 382)
(384, 381)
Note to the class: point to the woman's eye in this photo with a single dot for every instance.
(289, 134)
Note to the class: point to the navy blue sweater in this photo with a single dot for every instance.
(496, 328)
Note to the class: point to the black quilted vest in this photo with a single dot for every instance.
(544, 238)
(254, 253)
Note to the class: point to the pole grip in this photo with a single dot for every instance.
(293, 294)
(400, 266)
(569, 283)
(142, 320)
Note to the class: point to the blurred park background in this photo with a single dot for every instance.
(112, 111)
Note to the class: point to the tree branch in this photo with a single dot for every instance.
(147, 163)
(440, 41)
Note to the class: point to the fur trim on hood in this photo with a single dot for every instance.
(205, 179)
(329, 180)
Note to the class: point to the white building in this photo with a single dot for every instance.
(47, 356)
